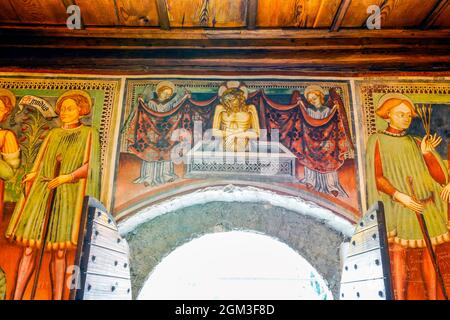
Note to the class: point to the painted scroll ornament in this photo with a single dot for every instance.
(42, 105)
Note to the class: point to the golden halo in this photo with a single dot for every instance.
(233, 85)
(10, 95)
(314, 88)
(165, 84)
(72, 92)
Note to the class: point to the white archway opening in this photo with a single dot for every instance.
(234, 265)
(232, 193)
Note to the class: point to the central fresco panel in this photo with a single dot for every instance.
(292, 136)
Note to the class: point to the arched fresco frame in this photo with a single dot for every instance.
(129, 196)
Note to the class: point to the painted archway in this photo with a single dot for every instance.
(315, 233)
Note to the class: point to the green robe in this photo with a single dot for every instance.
(402, 157)
(2, 285)
(26, 224)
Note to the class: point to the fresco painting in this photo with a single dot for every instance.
(407, 169)
(309, 121)
(62, 138)
(51, 159)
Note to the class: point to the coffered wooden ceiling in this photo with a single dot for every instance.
(314, 14)
(280, 33)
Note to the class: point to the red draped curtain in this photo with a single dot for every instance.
(319, 144)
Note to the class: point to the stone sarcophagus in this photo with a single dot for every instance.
(102, 258)
(264, 160)
(366, 268)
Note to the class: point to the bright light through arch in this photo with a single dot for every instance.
(234, 265)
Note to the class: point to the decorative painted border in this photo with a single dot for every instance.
(367, 89)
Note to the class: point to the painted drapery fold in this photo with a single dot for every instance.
(149, 132)
(320, 144)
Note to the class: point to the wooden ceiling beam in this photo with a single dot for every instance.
(252, 11)
(222, 34)
(16, 38)
(434, 14)
(340, 14)
(163, 14)
(234, 60)
(310, 44)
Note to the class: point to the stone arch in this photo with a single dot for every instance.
(235, 265)
(315, 233)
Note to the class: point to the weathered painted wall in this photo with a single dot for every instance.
(331, 119)
(147, 172)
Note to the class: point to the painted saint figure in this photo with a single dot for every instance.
(76, 147)
(408, 175)
(9, 146)
(161, 171)
(235, 121)
(319, 180)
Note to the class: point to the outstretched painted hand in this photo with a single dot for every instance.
(408, 202)
(429, 143)
(64, 178)
(29, 177)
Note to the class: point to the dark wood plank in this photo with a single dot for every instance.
(98, 12)
(356, 16)
(435, 13)
(39, 11)
(340, 62)
(207, 13)
(340, 14)
(292, 13)
(252, 11)
(137, 13)
(223, 34)
(405, 14)
(163, 15)
(325, 14)
(8, 13)
(443, 21)
(68, 3)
